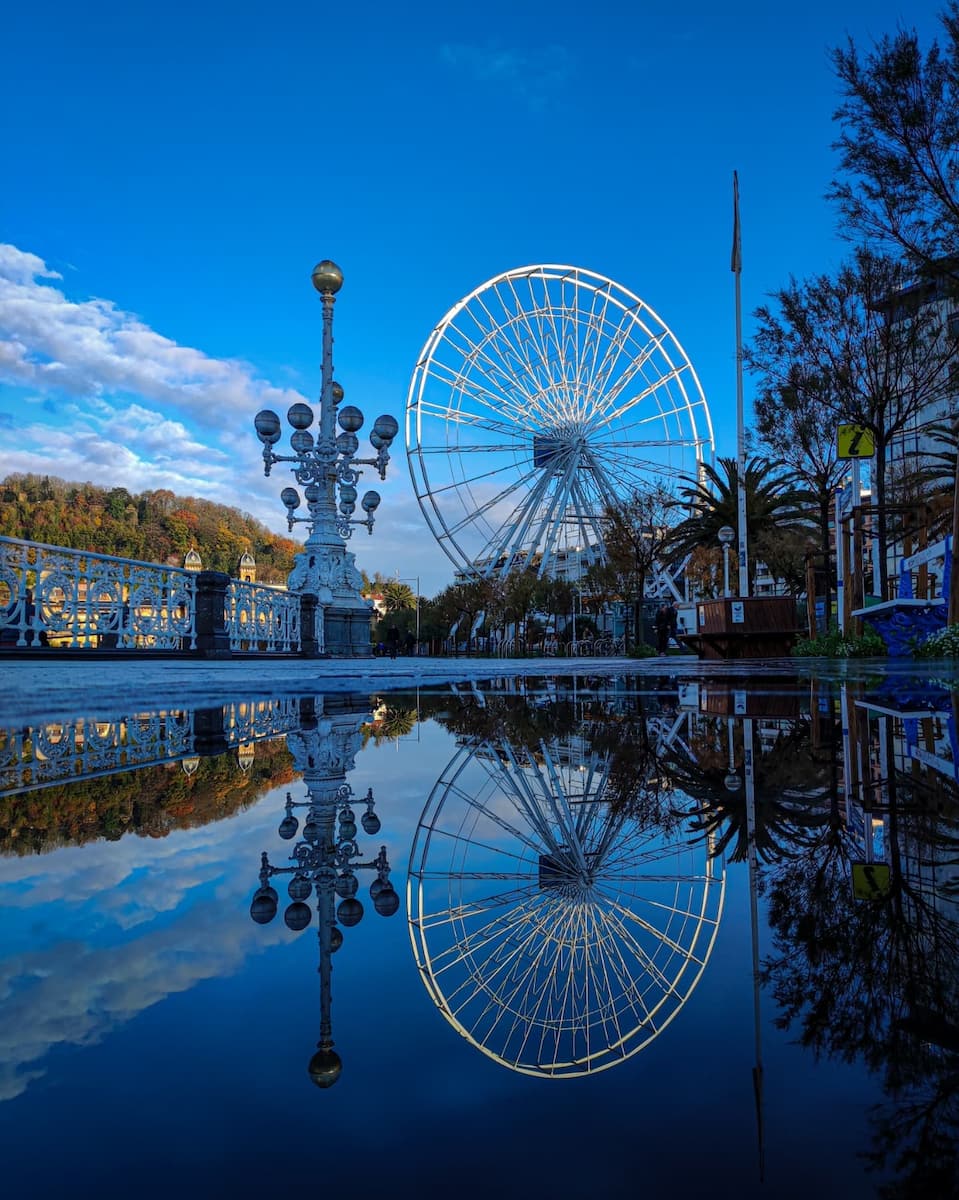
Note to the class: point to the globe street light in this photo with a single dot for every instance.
(325, 464)
(732, 782)
(727, 535)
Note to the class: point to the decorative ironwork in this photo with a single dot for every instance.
(65, 751)
(56, 752)
(262, 618)
(253, 721)
(50, 595)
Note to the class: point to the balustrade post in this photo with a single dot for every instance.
(209, 733)
(310, 645)
(212, 635)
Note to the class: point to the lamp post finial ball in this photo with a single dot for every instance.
(327, 277)
(325, 1067)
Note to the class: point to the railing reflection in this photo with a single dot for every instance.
(70, 751)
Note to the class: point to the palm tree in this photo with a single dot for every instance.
(773, 504)
(398, 596)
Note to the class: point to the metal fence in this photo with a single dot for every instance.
(262, 619)
(74, 599)
(52, 596)
(57, 752)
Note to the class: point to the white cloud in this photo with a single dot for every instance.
(74, 990)
(23, 267)
(90, 348)
(105, 396)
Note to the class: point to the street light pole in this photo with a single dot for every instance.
(323, 467)
(726, 536)
(412, 579)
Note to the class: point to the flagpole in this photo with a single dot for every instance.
(737, 269)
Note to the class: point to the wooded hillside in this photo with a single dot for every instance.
(153, 526)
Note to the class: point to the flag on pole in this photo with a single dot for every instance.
(736, 262)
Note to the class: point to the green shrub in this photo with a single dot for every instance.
(840, 645)
(942, 644)
(642, 650)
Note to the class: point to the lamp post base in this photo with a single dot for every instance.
(348, 630)
(327, 573)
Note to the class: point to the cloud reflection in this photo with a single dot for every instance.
(184, 901)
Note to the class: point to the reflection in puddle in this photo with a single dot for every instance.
(770, 866)
(326, 857)
(558, 915)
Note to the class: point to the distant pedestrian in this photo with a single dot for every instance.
(393, 641)
(410, 643)
(664, 622)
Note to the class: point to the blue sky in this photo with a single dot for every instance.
(173, 173)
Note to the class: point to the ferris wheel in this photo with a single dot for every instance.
(555, 934)
(545, 397)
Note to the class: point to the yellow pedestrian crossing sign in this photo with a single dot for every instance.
(855, 441)
(871, 881)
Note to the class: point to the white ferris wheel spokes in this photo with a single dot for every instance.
(554, 933)
(544, 397)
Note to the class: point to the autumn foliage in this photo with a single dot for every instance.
(149, 802)
(153, 526)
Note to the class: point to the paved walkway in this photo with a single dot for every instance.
(49, 689)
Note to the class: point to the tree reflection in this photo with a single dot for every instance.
(707, 772)
(877, 979)
(525, 722)
(390, 723)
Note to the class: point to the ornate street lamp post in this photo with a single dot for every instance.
(326, 467)
(324, 861)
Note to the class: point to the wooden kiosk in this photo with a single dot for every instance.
(744, 627)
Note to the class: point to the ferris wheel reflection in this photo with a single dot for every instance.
(556, 928)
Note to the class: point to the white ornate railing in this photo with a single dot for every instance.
(53, 596)
(253, 720)
(262, 618)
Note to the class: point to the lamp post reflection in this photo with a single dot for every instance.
(325, 861)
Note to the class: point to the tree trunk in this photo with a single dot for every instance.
(825, 504)
(879, 485)
(953, 616)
